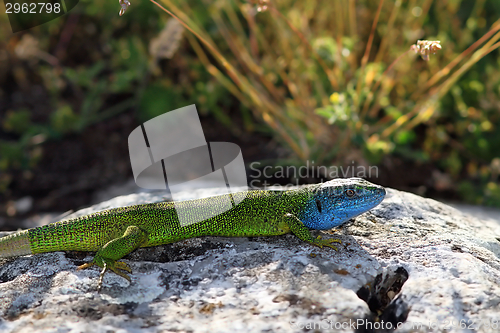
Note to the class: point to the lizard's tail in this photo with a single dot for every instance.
(17, 244)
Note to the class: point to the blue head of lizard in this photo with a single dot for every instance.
(337, 201)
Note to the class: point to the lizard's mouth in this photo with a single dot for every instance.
(376, 196)
(380, 193)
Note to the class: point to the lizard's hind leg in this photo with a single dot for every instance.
(107, 256)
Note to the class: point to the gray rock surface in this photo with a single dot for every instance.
(412, 261)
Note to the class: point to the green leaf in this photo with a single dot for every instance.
(64, 120)
(17, 121)
(157, 100)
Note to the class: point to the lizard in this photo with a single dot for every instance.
(116, 232)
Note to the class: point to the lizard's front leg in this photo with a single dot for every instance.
(107, 256)
(300, 230)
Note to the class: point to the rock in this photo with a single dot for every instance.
(412, 262)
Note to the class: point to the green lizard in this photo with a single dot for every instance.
(116, 232)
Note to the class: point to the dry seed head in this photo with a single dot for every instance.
(426, 47)
(262, 5)
(124, 4)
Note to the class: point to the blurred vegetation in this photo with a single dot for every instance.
(351, 63)
(334, 82)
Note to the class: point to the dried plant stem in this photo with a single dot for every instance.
(447, 69)
(245, 59)
(327, 70)
(386, 38)
(368, 48)
(268, 110)
(369, 99)
(230, 70)
(364, 60)
(214, 71)
(424, 110)
(445, 87)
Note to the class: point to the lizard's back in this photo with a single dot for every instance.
(258, 214)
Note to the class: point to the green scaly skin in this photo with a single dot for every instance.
(116, 232)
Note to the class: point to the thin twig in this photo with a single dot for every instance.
(364, 60)
(328, 71)
(222, 60)
(447, 69)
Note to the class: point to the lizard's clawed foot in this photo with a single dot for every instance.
(326, 242)
(108, 264)
(116, 267)
(87, 265)
(123, 266)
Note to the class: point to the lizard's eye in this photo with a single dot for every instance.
(350, 193)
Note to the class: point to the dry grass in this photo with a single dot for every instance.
(333, 78)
